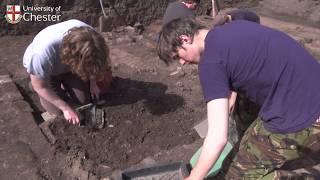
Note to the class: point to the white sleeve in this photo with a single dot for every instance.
(39, 65)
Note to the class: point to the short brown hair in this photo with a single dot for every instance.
(191, 1)
(85, 51)
(169, 37)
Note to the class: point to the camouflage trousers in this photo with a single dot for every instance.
(266, 155)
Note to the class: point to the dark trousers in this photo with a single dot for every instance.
(66, 86)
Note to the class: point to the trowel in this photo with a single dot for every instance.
(91, 115)
(233, 138)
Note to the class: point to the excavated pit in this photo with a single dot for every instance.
(141, 120)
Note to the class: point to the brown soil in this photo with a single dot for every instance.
(139, 114)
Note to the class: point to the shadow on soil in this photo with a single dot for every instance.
(138, 115)
(155, 99)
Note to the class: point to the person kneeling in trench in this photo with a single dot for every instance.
(68, 58)
(271, 69)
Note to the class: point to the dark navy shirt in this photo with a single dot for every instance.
(244, 14)
(177, 10)
(267, 66)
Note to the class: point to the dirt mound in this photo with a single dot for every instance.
(304, 12)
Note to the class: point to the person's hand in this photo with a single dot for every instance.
(193, 176)
(94, 89)
(71, 116)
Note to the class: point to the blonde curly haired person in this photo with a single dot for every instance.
(67, 59)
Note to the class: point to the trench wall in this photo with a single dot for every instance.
(129, 12)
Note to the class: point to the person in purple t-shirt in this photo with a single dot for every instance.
(235, 14)
(272, 70)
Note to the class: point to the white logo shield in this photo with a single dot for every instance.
(13, 14)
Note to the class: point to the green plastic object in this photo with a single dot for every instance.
(217, 166)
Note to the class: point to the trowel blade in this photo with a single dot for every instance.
(202, 128)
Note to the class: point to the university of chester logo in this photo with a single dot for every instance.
(13, 14)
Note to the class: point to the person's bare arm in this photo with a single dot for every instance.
(42, 88)
(216, 139)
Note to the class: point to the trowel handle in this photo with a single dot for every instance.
(97, 102)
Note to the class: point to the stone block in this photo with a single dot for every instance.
(18, 124)
(3, 71)
(8, 90)
(17, 71)
(18, 162)
(5, 79)
(30, 133)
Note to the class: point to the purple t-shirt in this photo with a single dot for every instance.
(267, 66)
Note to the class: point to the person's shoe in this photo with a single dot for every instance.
(48, 116)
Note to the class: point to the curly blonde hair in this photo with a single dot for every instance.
(84, 50)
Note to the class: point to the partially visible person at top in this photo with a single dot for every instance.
(235, 14)
(272, 70)
(68, 58)
(185, 8)
(180, 9)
